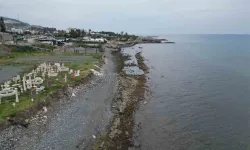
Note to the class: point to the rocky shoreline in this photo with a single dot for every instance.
(119, 134)
(22, 117)
(36, 116)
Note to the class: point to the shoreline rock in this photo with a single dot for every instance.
(119, 134)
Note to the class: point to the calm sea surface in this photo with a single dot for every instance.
(199, 94)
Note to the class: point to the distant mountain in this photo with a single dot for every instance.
(36, 26)
(14, 23)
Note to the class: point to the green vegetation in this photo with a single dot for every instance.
(126, 37)
(76, 33)
(61, 33)
(15, 55)
(108, 33)
(97, 56)
(101, 140)
(7, 109)
(44, 46)
(27, 33)
(2, 25)
(88, 44)
(25, 51)
(17, 48)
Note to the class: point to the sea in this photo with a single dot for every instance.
(198, 94)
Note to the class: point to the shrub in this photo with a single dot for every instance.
(23, 49)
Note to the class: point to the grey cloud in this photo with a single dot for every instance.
(136, 16)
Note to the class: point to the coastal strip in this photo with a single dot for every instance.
(34, 119)
(132, 89)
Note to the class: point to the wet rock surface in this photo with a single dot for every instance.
(132, 88)
(133, 70)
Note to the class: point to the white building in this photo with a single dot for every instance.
(88, 39)
(69, 29)
(19, 31)
(34, 32)
(101, 40)
(55, 32)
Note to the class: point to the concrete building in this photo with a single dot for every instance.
(34, 32)
(69, 29)
(19, 31)
(88, 39)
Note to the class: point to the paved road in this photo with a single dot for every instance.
(74, 124)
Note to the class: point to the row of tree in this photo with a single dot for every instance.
(74, 33)
(77, 33)
(2, 25)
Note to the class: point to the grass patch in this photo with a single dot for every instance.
(15, 55)
(45, 46)
(101, 141)
(94, 55)
(7, 109)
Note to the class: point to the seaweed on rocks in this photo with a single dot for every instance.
(119, 134)
(141, 63)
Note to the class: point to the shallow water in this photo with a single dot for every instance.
(133, 70)
(131, 65)
(7, 72)
(199, 94)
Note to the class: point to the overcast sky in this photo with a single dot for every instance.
(135, 16)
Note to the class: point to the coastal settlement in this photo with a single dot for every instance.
(40, 63)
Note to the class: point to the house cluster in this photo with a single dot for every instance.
(59, 37)
(17, 30)
(53, 36)
(32, 30)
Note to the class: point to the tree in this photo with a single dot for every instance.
(126, 35)
(2, 25)
(27, 32)
(65, 36)
(73, 33)
(89, 31)
(83, 33)
(78, 32)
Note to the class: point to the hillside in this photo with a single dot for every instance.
(10, 23)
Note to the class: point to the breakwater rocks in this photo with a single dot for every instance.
(155, 40)
(132, 88)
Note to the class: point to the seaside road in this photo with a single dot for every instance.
(75, 125)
